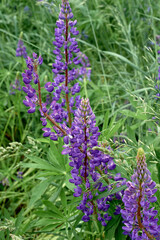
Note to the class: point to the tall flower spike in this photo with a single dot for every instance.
(66, 49)
(65, 99)
(139, 217)
(88, 165)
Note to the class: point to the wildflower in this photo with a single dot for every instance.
(85, 70)
(139, 217)
(63, 68)
(21, 49)
(5, 181)
(30, 75)
(88, 165)
(15, 86)
(20, 174)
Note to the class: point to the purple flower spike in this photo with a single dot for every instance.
(21, 49)
(138, 217)
(84, 72)
(66, 49)
(15, 86)
(83, 137)
(20, 174)
(29, 76)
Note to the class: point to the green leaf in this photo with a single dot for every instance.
(49, 214)
(131, 134)
(53, 208)
(68, 184)
(55, 155)
(63, 198)
(119, 231)
(46, 221)
(38, 191)
(106, 120)
(42, 164)
(124, 59)
(138, 115)
(19, 221)
(113, 128)
(111, 227)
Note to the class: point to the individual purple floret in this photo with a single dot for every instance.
(21, 49)
(88, 165)
(139, 217)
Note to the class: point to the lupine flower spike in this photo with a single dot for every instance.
(89, 165)
(15, 86)
(64, 100)
(139, 218)
(85, 70)
(64, 67)
(21, 49)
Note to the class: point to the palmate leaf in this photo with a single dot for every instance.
(38, 191)
(53, 208)
(49, 214)
(43, 164)
(38, 163)
(55, 157)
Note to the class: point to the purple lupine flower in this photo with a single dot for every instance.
(85, 70)
(29, 76)
(84, 161)
(62, 105)
(139, 217)
(21, 49)
(66, 49)
(5, 181)
(15, 86)
(20, 174)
